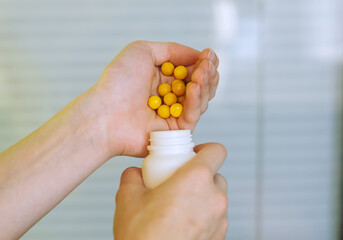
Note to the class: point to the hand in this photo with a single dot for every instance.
(192, 204)
(120, 96)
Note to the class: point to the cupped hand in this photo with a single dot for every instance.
(191, 204)
(134, 75)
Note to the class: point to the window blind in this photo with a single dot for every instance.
(275, 108)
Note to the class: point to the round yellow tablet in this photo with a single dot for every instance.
(163, 111)
(180, 72)
(179, 88)
(175, 81)
(176, 110)
(164, 88)
(154, 102)
(170, 99)
(167, 68)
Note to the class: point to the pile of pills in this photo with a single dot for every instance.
(170, 95)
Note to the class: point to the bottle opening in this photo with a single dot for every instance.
(162, 135)
(173, 139)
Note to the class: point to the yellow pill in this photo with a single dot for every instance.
(163, 111)
(170, 99)
(167, 68)
(180, 99)
(180, 72)
(179, 88)
(164, 88)
(176, 110)
(175, 81)
(154, 102)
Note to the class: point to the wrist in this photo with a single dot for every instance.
(87, 122)
(89, 119)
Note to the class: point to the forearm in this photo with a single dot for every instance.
(42, 169)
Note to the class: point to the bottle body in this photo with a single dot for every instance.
(157, 168)
(169, 150)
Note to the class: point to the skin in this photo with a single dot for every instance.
(135, 71)
(108, 120)
(192, 204)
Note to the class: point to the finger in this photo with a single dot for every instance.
(211, 155)
(213, 79)
(212, 56)
(173, 52)
(213, 85)
(201, 77)
(205, 54)
(190, 69)
(221, 231)
(132, 176)
(221, 183)
(191, 113)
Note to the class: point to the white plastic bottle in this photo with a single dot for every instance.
(169, 150)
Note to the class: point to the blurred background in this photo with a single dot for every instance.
(278, 109)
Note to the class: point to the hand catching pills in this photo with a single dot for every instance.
(144, 89)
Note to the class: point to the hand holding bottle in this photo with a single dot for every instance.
(192, 204)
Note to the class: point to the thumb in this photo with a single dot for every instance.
(209, 155)
(132, 178)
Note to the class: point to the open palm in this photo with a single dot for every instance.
(134, 75)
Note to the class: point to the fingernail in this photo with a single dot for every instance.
(211, 56)
(210, 67)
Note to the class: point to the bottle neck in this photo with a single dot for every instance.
(171, 142)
